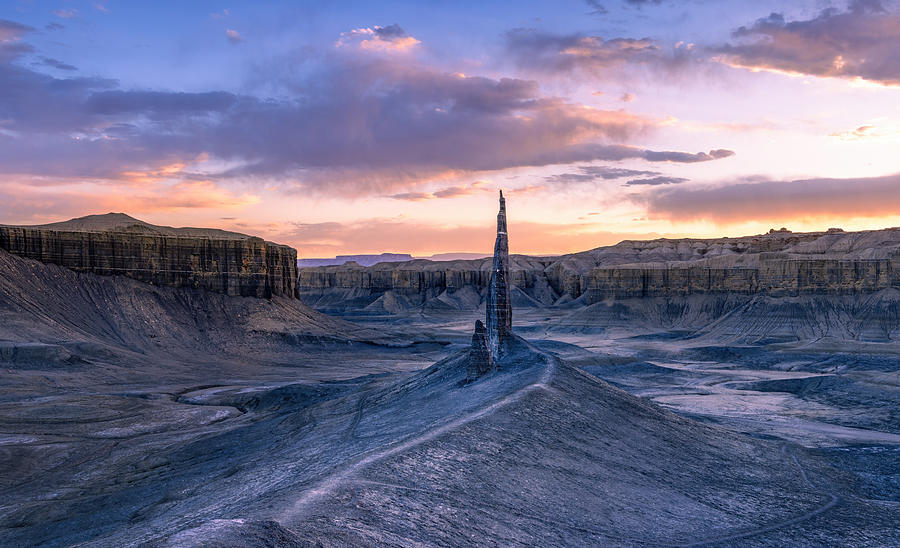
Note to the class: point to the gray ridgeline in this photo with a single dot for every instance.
(489, 338)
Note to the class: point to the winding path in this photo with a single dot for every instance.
(330, 483)
(748, 533)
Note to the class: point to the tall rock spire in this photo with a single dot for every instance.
(498, 317)
(489, 339)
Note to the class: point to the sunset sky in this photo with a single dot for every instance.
(364, 127)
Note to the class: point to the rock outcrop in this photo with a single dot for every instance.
(498, 313)
(480, 359)
(489, 339)
(780, 263)
(116, 244)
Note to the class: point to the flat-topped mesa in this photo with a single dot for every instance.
(489, 339)
(118, 245)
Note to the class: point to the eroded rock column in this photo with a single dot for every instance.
(498, 317)
(489, 339)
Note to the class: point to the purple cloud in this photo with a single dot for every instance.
(778, 200)
(394, 123)
(657, 181)
(860, 42)
(588, 174)
(547, 52)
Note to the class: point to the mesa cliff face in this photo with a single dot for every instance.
(775, 264)
(115, 244)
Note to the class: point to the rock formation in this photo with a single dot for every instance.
(775, 264)
(498, 315)
(480, 359)
(116, 244)
(490, 337)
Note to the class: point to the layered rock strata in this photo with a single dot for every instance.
(776, 264)
(115, 244)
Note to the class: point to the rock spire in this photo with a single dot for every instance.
(489, 339)
(498, 316)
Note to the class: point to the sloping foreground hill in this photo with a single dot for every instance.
(52, 318)
(539, 453)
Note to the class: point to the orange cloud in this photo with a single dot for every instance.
(24, 203)
(447, 192)
(378, 38)
(153, 176)
(778, 201)
(384, 235)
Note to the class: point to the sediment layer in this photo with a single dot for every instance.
(224, 262)
(777, 264)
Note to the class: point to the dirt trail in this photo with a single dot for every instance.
(333, 481)
(748, 533)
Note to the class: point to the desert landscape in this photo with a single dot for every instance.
(669, 402)
(617, 273)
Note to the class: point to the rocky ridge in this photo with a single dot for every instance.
(780, 263)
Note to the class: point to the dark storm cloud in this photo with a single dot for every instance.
(860, 42)
(778, 200)
(657, 181)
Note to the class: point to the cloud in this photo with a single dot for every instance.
(100, 7)
(233, 36)
(54, 26)
(377, 38)
(11, 31)
(413, 196)
(353, 124)
(596, 7)
(447, 192)
(158, 104)
(860, 42)
(684, 157)
(656, 181)
(59, 65)
(66, 14)
(778, 200)
(588, 174)
(862, 132)
(546, 52)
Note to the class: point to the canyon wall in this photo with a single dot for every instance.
(228, 263)
(775, 275)
(777, 264)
